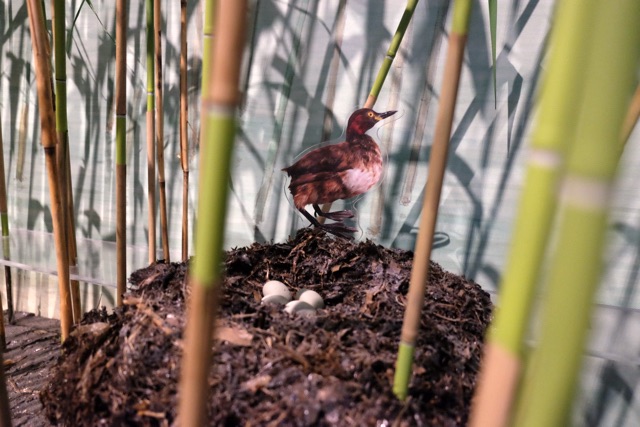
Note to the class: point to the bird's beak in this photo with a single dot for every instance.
(386, 114)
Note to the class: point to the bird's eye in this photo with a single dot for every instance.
(370, 114)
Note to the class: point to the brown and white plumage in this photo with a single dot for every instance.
(338, 171)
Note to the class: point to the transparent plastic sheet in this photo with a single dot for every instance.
(33, 251)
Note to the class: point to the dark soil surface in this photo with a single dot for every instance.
(33, 346)
(273, 368)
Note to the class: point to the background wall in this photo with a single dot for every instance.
(308, 65)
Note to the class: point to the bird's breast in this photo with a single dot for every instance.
(358, 181)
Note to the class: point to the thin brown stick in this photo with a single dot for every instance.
(39, 41)
(164, 226)
(5, 408)
(121, 167)
(184, 141)
(437, 167)
(151, 183)
(4, 219)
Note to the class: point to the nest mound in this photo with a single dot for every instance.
(273, 368)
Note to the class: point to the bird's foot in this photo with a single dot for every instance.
(336, 215)
(338, 229)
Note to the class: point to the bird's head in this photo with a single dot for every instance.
(364, 119)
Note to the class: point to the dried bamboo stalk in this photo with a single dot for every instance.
(39, 40)
(4, 220)
(121, 164)
(151, 132)
(5, 409)
(184, 141)
(437, 167)
(164, 226)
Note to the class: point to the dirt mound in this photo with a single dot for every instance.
(273, 368)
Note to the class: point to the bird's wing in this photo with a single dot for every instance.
(328, 159)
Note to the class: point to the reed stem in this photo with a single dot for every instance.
(184, 140)
(39, 40)
(437, 167)
(219, 128)
(164, 226)
(151, 132)
(121, 147)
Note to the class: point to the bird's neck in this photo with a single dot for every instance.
(354, 135)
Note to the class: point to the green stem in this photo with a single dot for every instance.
(610, 72)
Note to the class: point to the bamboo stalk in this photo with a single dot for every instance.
(391, 53)
(384, 68)
(64, 161)
(610, 74)
(151, 132)
(164, 226)
(39, 42)
(504, 351)
(437, 167)
(3, 334)
(218, 121)
(631, 118)
(121, 146)
(184, 141)
(4, 220)
(5, 408)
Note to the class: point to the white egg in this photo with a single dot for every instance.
(276, 299)
(299, 307)
(275, 287)
(310, 297)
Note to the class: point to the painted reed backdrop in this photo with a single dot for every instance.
(308, 64)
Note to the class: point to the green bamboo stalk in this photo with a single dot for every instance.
(184, 141)
(151, 132)
(39, 40)
(437, 167)
(64, 162)
(560, 93)
(384, 68)
(121, 147)
(610, 75)
(164, 226)
(391, 53)
(218, 122)
(4, 220)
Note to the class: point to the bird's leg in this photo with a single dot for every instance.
(336, 216)
(337, 229)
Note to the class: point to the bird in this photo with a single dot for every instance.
(338, 171)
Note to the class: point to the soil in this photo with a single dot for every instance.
(273, 368)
